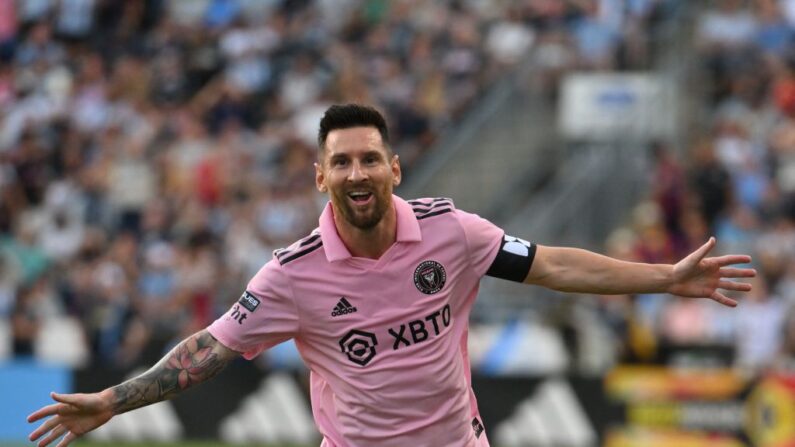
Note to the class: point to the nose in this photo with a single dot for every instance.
(357, 173)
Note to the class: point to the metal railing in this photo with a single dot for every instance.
(593, 188)
(503, 140)
(589, 196)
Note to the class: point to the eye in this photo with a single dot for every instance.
(339, 162)
(371, 160)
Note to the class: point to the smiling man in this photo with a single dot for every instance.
(377, 299)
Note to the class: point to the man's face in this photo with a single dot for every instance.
(359, 175)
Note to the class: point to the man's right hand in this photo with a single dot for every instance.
(198, 358)
(73, 415)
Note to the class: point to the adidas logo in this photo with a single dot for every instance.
(551, 416)
(343, 307)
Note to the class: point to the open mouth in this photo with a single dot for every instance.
(360, 197)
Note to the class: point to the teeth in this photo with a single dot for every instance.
(359, 194)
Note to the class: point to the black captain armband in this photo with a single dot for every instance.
(513, 260)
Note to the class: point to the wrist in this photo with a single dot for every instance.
(107, 398)
(668, 276)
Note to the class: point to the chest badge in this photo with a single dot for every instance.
(429, 277)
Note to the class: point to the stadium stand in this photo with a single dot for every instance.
(732, 181)
(154, 153)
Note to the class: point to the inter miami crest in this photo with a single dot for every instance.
(429, 277)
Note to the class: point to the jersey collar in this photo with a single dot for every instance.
(408, 229)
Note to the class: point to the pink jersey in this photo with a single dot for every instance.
(386, 339)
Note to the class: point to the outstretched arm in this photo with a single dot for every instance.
(197, 358)
(695, 276)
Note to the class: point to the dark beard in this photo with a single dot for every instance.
(364, 221)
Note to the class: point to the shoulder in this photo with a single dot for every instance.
(439, 216)
(299, 249)
(425, 208)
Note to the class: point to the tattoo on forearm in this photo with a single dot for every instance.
(193, 361)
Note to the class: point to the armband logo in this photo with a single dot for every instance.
(517, 246)
(249, 301)
(513, 260)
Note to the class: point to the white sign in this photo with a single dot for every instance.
(609, 106)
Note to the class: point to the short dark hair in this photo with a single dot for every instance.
(345, 116)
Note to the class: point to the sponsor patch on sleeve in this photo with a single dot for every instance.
(249, 301)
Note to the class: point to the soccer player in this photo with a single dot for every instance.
(377, 299)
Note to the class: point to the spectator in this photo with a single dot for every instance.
(25, 324)
(710, 183)
(727, 27)
(759, 328)
(786, 357)
(773, 34)
(668, 186)
(595, 35)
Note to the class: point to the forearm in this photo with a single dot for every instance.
(581, 271)
(196, 359)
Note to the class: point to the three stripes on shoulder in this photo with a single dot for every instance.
(425, 208)
(300, 248)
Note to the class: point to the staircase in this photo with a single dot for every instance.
(504, 145)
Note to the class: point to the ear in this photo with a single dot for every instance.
(396, 174)
(320, 179)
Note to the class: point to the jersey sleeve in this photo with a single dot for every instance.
(494, 253)
(483, 240)
(264, 316)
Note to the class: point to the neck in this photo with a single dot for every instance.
(370, 243)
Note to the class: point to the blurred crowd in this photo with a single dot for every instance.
(737, 182)
(153, 153)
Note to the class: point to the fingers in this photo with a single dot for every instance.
(44, 428)
(736, 286)
(731, 259)
(728, 272)
(723, 299)
(67, 439)
(703, 250)
(49, 410)
(58, 408)
(55, 434)
(70, 399)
